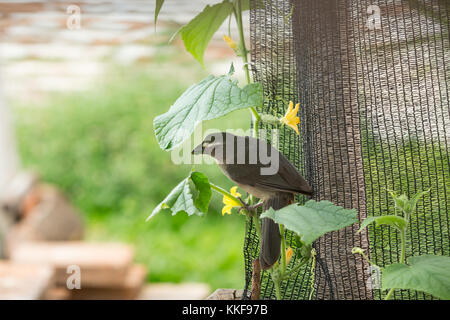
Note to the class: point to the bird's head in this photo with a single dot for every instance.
(212, 145)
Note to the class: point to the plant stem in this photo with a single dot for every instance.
(244, 53)
(256, 121)
(224, 192)
(294, 269)
(256, 223)
(242, 47)
(313, 265)
(276, 281)
(402, 259)
(388, 296)
(283, 250)
(403, 252)
(365, 257)
(277, 290)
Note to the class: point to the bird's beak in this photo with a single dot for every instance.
(198, 149)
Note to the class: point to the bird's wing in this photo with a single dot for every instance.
(292, 176)
(278, 183)
(286, 179)
(250, 174)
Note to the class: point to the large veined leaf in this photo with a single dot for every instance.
(203, 188)
(397, 222)
(428, 273)
(211, 98)
(245, 5)
(190, 196)
(199, 31)
(313, 219)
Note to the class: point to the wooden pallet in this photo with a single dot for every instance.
(19, 281)
(101, 264)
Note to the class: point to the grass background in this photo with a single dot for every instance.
(99, 147)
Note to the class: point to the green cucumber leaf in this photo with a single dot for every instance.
(427, 273)
(313, 219)
(211, 98)
(198, 32)
(203, 187)
(190, 196)
(395, 221)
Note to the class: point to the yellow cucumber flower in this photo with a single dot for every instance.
(290, 118)
(289, 253)
(230, 42)
(229, 202)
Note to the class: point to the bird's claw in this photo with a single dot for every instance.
(244, 204)
(247, 207)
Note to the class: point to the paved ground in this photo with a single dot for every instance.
(40, 53)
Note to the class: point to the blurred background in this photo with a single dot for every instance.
(79, 93)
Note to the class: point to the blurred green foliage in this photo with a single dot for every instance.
(99, 147)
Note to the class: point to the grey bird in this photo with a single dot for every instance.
(262, 171)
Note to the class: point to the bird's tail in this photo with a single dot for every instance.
(270, 231)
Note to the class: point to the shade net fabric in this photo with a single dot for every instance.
(372, 79)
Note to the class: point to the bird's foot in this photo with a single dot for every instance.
(245, 206)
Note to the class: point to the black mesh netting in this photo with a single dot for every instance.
(372, 81)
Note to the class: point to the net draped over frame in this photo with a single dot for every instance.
(372, 80)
